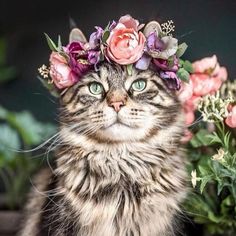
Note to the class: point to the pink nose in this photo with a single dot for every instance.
(117, 105)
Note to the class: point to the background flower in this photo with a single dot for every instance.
(231, 119)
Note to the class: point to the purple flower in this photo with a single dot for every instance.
(93, 57)
(166, 64)
(77, 58)
(154, 43)
(95, 37)
(112, 25)
(143, 62)
(171, 80)
(74, 48)
(162, 48)
(79, 66)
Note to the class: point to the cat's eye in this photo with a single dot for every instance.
(139, 85)
(95, 88)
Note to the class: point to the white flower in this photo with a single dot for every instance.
(194, 178)
(214, 108)
(219, 156)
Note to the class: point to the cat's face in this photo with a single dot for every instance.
(111, 106)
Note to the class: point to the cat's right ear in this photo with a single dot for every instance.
(76, 35)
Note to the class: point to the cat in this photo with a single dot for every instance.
(120, 168)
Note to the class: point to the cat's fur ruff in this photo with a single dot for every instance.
(112, 179)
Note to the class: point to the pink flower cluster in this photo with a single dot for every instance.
(124, 46)
(207, 78)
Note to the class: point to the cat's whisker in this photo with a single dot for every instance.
(196, 122)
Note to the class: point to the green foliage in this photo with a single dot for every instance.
(181, 49)
(183, 74)
(213, 203)
(19, 133)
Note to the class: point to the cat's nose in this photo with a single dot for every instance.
(117, 105)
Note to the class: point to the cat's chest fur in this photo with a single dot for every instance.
(120, 191)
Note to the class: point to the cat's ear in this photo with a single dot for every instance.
(152, 26)
(76, 35)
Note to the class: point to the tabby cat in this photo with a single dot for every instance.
(120, 168)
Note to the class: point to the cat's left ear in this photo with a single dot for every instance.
(76, 35)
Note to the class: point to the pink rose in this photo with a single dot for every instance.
(60, 72)
(206, 65)
(231, 119)
(208, 76)
(125, 43)
(129, 22)
(222, 74)
(203, 84)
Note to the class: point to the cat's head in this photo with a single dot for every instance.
(109, 105)
(117, 99)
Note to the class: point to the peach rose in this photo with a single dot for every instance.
(60, 72)
(208, 65)
(231, 119)
(203, 84)
(125, 43)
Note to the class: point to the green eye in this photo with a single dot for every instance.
(139, 85)
(95, 88)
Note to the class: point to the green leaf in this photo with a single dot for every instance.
(204, 171)
(31, 131)
(204, 181)
(201, 138)
(129, 69)
(105, 36)
(51, 44)
(183, 75)
(59, 44)
(9, 141)
(181, 49)
(214, 138)
(188, 66)
(213, 217)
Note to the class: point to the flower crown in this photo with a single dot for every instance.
(126, 43)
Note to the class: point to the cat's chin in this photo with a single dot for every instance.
(122, 132)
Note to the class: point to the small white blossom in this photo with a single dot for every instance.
(168, 27)
(214, 107)
(194, 178)
(219, 156)
(43, 71)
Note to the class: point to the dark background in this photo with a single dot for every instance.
(207, 26)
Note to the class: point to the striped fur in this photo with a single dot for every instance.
(116, 174)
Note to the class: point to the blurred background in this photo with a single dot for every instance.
(28, 114)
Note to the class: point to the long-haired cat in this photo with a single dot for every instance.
(119, 168)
